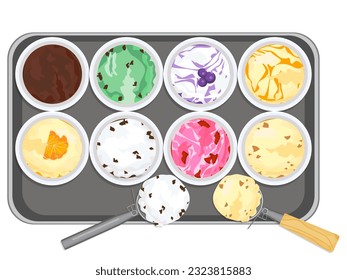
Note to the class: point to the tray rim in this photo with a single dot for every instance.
(10, 146)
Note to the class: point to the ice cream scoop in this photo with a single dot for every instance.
(161, 200)
(238, 198)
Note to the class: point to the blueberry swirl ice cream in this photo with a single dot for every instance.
(200, 148)
(200, 73)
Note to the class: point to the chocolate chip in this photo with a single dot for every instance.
(258, 156)
(221, 186)
(144, 207)
(124, 47)
(127, 65)
(151, 148)
(104, 165)
(149, 133)
(138, 157)
(120, 98)
(98, 143)
(226, 204)
(112, 128)
(111, 50)
(142, 51)
(265, 125)
(99, 76)
(182, 188)
(150, 195)
(132, 62)
(255, 148)
(135, 152)
(111, 173)
(142, 189)
(171, 218)
(115, 160)
(173, 182)
(299, 146)
(140, 95)
(157, 177)
(287, 137)
(161, 211)
(107, 54)
(182, 212)
(123, 122)
(105, 86)
(125, 172)
(134, 84)
(241, 183)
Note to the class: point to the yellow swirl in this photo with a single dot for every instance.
(274, 74)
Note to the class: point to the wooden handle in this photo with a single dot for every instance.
(321, 237)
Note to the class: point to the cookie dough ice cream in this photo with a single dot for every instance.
(163, 199)
(237, 197)
(126, 74)
(274, 74)
(126, 148)
(274, 148)
(200, 73)
(52, 148)
(200, 148)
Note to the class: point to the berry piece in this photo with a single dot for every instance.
(202, 72)
(202, 82)
(210, 77)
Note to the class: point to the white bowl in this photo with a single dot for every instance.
(191, 179)
(265, 105)
(158, 81)
(132, 180)
(56, 106)
(230, 83)
(52, 181)
(282, 180)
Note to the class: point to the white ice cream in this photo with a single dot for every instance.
(163, 199)
(126, 148)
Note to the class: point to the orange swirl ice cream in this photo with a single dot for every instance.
(274, 74)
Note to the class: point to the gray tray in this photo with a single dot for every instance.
(90, 198)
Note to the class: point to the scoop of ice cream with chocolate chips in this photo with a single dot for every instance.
(274, 148)
(126, 148)
(163, 199)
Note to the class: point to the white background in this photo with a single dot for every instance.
(34, 251)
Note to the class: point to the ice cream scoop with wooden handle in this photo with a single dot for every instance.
(321, 237)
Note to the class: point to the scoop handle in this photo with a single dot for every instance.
(97, 229)
(319, 236)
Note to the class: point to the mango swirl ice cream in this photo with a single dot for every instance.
(274, 148)
(200, 148)
(274, 74)
(52, 148)
(126, 74)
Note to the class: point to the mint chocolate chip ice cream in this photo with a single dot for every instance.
(126, 74)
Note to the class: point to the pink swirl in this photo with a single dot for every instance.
(200, 148)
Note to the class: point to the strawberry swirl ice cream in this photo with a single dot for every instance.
(200, 148)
